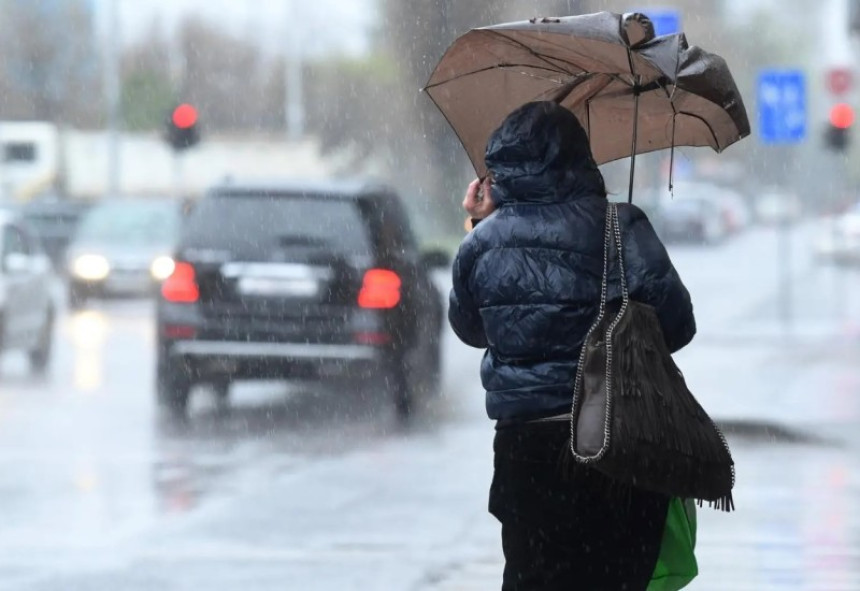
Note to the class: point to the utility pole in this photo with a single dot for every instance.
(294, 111)
(112, 90)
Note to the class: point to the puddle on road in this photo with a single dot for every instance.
(88, 332)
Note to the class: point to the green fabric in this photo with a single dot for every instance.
(676, 565)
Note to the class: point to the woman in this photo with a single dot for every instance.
(526, 288)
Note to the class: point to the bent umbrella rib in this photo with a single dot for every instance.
(719, 147)
(536, 54)
(493, 67)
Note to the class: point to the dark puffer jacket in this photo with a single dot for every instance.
(527, 279)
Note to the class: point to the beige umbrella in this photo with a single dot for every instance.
(633, 92)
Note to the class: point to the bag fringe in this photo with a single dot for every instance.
(660, 437)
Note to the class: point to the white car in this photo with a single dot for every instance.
(737, 214)
(840, 241)
(26, 305)
(694, 212)
(775, 206)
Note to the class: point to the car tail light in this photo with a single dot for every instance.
(372, 338)
(380, 289)
(181, 286)
(179, 331)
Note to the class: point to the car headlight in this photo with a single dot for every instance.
(162, 268)
(91, 267)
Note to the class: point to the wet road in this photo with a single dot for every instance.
(296, 488)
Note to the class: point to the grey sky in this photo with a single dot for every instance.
(324, 25)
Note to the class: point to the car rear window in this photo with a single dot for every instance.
(51, 223)
(131, 222)
(257, 224)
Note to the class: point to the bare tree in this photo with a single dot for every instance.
(52, 68)
(349, 105)
(224, 76)
(430, 158)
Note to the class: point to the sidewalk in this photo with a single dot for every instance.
(794, 528)
(798, 504)
(757, 367)
(797, 515)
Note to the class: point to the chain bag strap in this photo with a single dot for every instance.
(586, 420)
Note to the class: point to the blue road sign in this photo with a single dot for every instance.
(666, 21)
(781, 106)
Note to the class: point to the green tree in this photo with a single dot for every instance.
(148, 91)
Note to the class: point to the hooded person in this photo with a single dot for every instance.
(526, 287)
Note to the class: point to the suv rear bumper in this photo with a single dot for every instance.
(289, 351)
(273, 360)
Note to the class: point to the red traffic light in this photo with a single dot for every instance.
(842, 116)
(184, 116)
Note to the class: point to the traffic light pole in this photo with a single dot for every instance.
(178, 174)
(294, 112)
(785, 258)
(112, 84)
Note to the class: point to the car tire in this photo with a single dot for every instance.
(404, 392)
(77, 298)
(173, 388)
(40, 356)
(2, 333)
(418, 376)
(221, 390)
(429, 373)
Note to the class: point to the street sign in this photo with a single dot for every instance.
(839, 80)
(781, 106)
(666, 20)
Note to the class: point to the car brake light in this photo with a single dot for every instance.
(380, 289)
(181, 286)
(179, 331)
(372, 338)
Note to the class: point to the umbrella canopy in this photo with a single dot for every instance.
(625, 86)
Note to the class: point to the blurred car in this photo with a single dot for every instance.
(735, 211)
(54, 221)
(774, 206)
(717, 212)
(317, 281)
(122, 247)
(26, 305)
(692, 213)
(840, 241)
(693, 220)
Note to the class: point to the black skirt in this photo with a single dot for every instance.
(565, 526)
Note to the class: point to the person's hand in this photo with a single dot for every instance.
(479, 208)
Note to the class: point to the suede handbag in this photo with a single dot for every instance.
(633, 417)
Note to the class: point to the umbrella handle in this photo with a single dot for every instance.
(636, 92)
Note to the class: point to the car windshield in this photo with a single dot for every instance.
(131, 222)
(254, 224)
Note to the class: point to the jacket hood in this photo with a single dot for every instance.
(541, 154)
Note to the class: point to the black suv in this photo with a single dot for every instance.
(301, 281)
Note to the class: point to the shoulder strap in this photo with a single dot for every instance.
(619, 250)
(612, 233)
(607, 240)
